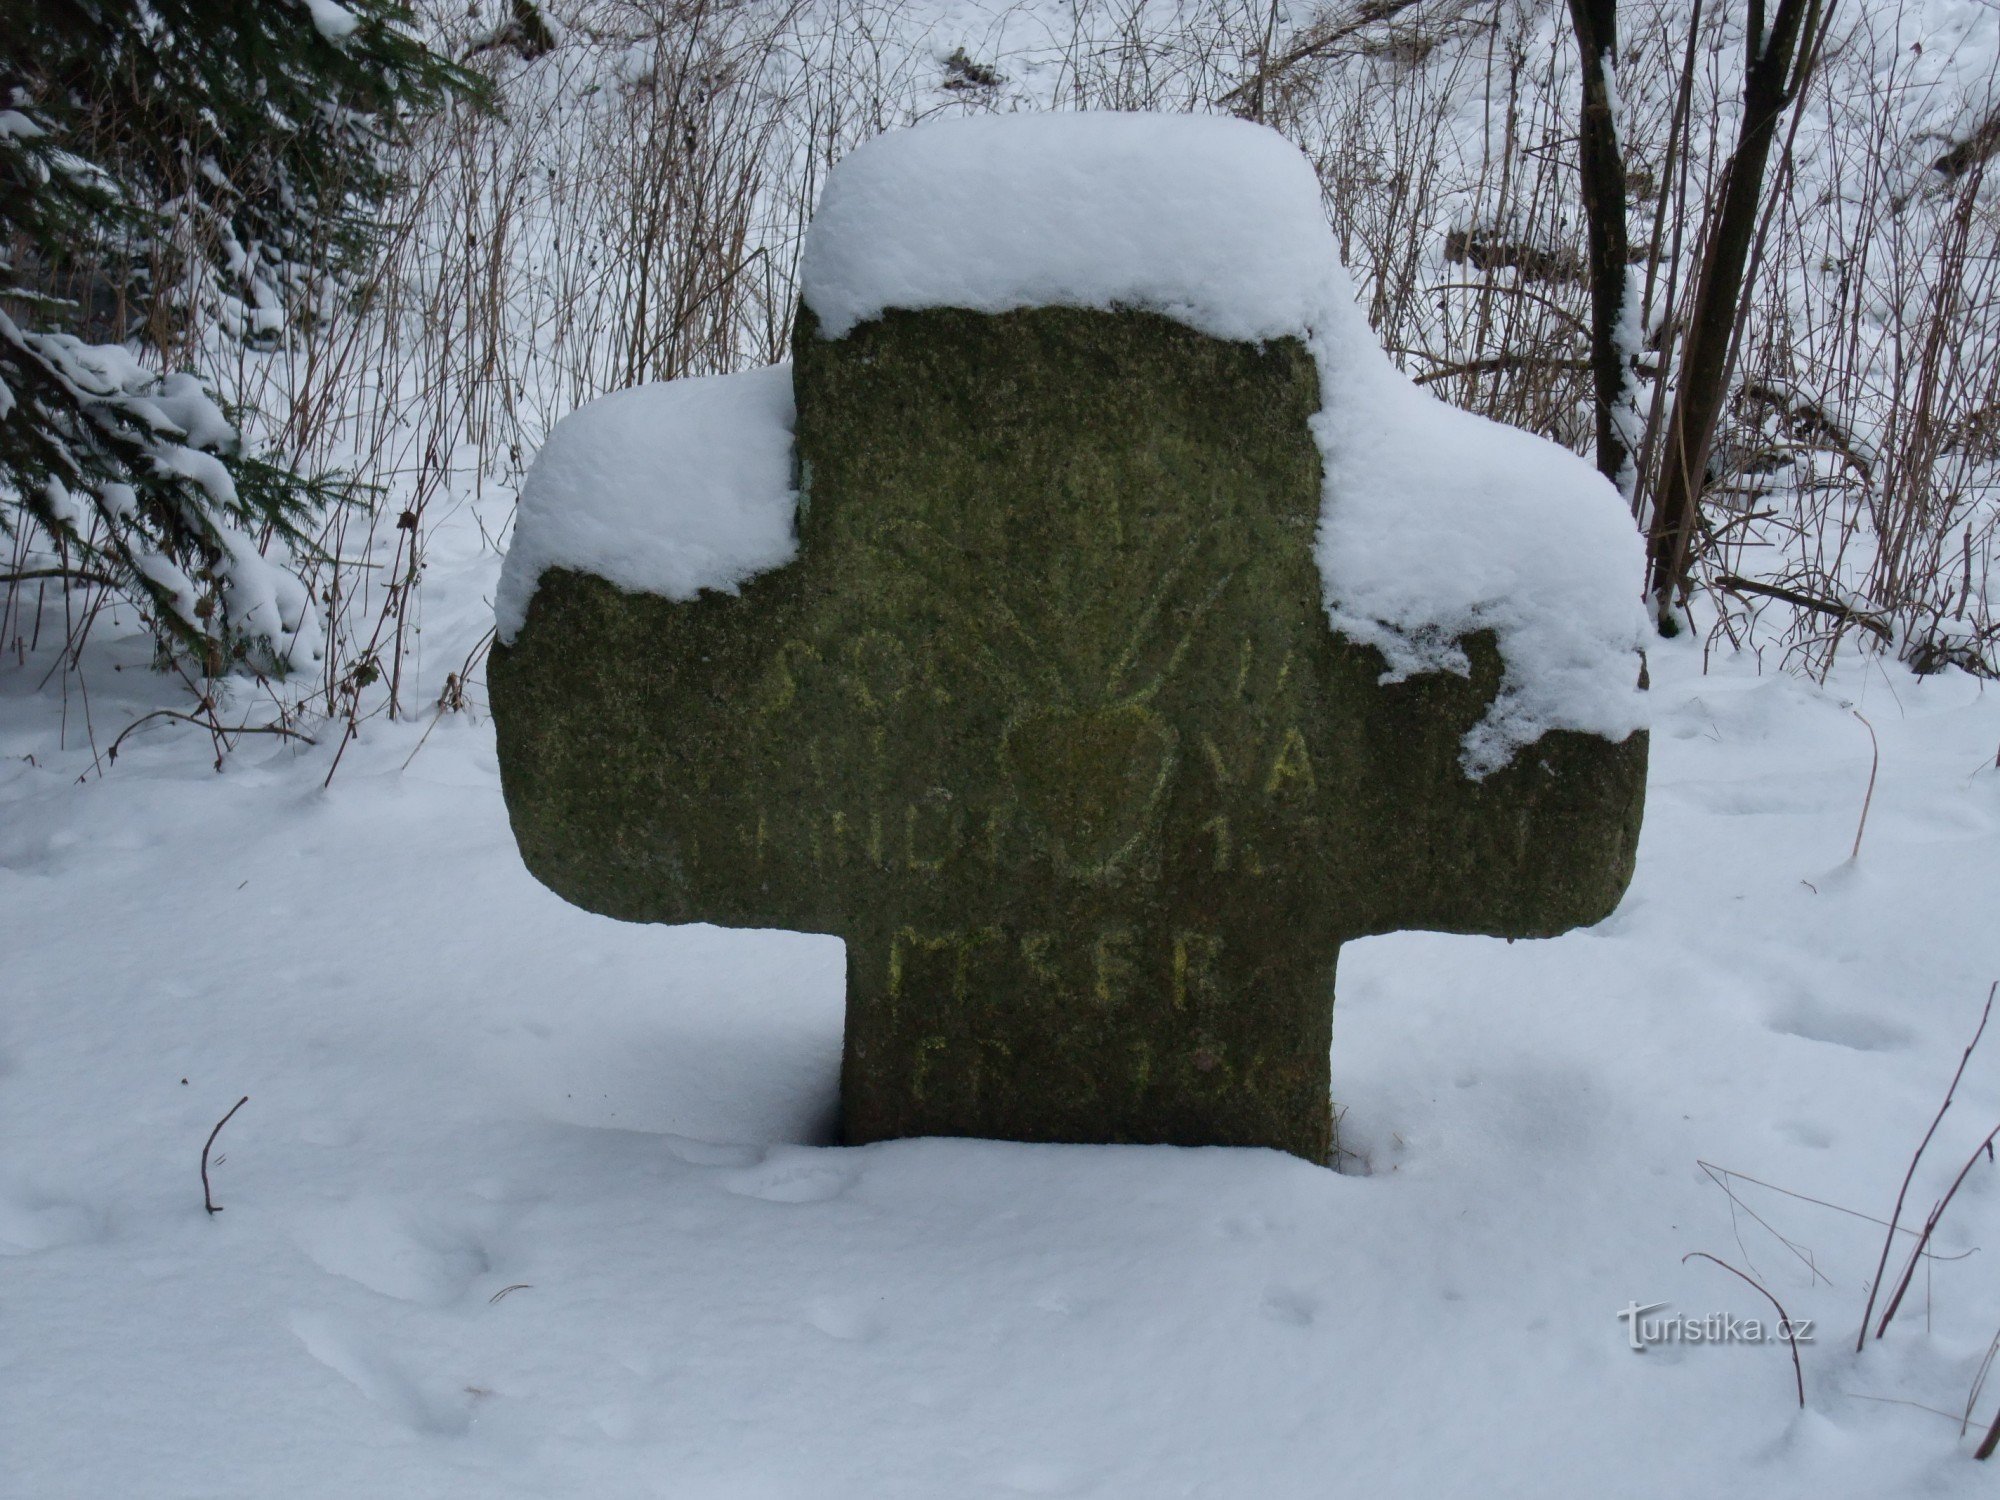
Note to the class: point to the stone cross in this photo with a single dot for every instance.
(1048, 723)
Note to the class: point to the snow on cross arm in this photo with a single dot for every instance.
(1215, 223)
(661, 489)
(1435, 524)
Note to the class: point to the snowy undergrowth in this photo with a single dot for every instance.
(459, 1085)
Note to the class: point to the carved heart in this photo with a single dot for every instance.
(1091, 779)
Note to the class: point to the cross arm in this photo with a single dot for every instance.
(642, 780)
(1542, 845)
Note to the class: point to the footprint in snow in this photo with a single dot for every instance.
(792, 1177)
(406, 1250)
(1816, 1021)
(1294, 1308)
(30, 1222)
(337, 1346)
(709, 1154)
(1805, 1133)
(1251, 1226)
(849, 1319)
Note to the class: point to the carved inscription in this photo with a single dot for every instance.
(1113, 965)
(1053, 766)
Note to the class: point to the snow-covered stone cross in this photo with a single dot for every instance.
(1109, 636)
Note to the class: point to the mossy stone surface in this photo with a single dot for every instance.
(1048, 724)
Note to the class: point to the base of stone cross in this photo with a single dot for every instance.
(1145, 1039)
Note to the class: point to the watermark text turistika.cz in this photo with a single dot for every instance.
(1642, 1331)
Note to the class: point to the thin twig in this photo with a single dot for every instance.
(1711, 1168)
(1506, 290)
(1936, 1411)
(68, 575)
(454, 682)
(1798, 1254)
(1984, 1148)
(1896, 1215)
(1978, 1384)
(1985, 1449)
(1501, 364)
(1874, 765)
(1318, 40)
(207, 1197)
(346, 737)
(1846, 613)
(1784, 1318)
(215, 729)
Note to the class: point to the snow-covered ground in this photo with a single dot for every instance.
(526, 1202)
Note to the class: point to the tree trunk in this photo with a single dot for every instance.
(1774, 73)
(1603, 162)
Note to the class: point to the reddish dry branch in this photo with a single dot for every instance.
(1784, 1318)
(1896, 1217)
(208, 1197)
